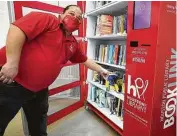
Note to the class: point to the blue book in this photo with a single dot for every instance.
(111, 49)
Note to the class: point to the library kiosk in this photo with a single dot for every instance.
(151, 86)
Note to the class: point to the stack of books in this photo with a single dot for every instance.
(112, 54)
(105, 100)
(107, 25)
(104, 25)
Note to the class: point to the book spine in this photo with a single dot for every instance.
(115, 24)
(93, 93)
(116, 54)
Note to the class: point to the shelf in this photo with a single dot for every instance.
(114, 37)
(112, 8)
(111, 65)
(106, 112)
(102, 87)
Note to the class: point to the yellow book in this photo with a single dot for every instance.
(122, 24)
(103, 54)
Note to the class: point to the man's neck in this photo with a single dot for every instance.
(67, 34)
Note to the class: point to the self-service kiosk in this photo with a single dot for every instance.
(151, 86)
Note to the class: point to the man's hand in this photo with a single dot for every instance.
(104, 73)
(8, 73)
(92, 65)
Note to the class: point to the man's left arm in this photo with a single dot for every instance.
(95, 67)
(80, 57)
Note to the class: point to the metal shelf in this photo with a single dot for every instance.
(113, 8)
(111, 65)
(102, 87)
(115, 37)
(106, 112)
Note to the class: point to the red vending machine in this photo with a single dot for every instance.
(150, 100)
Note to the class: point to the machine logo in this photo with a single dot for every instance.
(139, 87)
(71, 47)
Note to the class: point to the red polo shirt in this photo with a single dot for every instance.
(45, 51)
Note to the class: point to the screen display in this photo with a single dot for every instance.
(142, 14)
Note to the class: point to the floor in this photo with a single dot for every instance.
(78, 123)
(57, 104)
(81, 123)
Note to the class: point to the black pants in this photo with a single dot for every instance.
(35, 106)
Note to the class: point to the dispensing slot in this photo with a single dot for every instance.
(134, 43)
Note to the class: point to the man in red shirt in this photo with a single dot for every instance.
(37, 47)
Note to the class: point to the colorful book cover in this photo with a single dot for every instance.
(120, 55)
(110, 53)
(106, 53)
(97, 52)
(106, 24)
(118, 24)
(93, 93)
(100, 52)
(98, 26)
(120, 108)
(103, 54)
(125, 23)
(116, 53)
(122, 24)
(124, 56)
(122, 112)
(115, 24)
(98, 96)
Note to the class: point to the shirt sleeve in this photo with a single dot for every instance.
(78, 57)
(34, 24)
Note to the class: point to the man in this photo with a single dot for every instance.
(37, 47)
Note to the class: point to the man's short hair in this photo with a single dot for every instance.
(67, 7)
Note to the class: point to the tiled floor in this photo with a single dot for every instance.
(81, 123)
(78, 123)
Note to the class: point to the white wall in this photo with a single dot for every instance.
(26, 10)
(60, 3)
(66, 3)
(4, 23)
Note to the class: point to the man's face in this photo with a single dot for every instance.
(73, 11)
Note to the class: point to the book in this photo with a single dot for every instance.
(104, 25)
(103, 53)
(100, 52)
(102, 99)
(93, 93)
(125, 23)
(106, 54)
(123, 63)
(115, 54)
(111, 53)
(122, 24)
(97, 52)
(119, 108)
(97, 96)
(115, 24)
(97, 31)
(120, 55)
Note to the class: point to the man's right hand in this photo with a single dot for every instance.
(8, 73)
